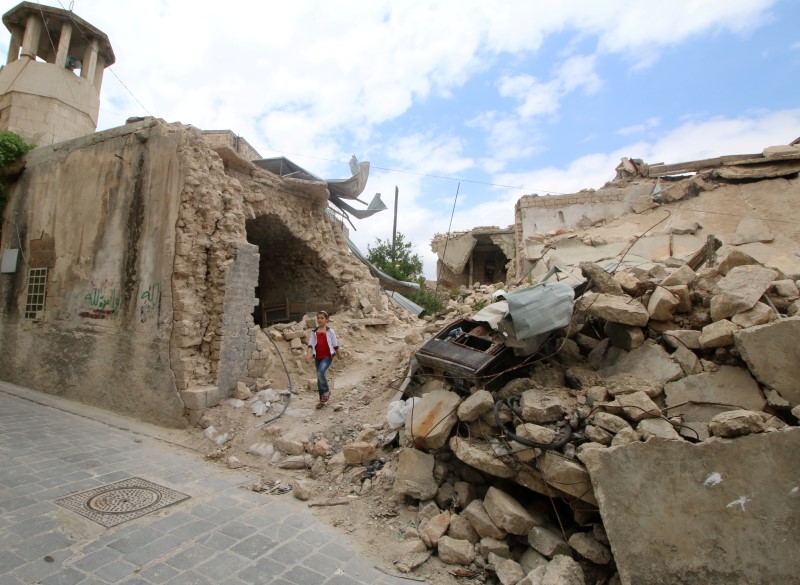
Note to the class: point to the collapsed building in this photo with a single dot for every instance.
(662, 415)
(139, 262)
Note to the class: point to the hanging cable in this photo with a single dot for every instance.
(447, 239)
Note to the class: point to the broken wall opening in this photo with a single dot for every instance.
(291, 278)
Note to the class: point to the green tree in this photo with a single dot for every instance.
(397, 261)
(11, 148)
(400, 263)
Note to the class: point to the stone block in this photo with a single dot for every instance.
(538, 407)
(650, 361)
(432, 419)
(477, 515)
(772, 353)
(548, 542)
(415, 475)
(585, 545)
(657, 427)
(682, 276)
(760, 314)
(489, 545)
(721, 496)
(455, 552)
(461, 529)
(700, 397)
(476, 405)
(618, 309)
(359, 452)
(195, 398)
(508, 572)
(740, 290)
(718, 334)
(624, 336)
(735, 423)
(506, 512)
(662, 304)
(566, 475)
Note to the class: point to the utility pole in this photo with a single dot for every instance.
(394, 228)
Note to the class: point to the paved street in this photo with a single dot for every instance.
(222, 534)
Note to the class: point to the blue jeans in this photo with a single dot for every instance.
(322, 382)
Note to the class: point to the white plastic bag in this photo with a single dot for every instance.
(236, 403)
(209, 432)
(399, 411)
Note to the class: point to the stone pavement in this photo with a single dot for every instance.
(222, 534)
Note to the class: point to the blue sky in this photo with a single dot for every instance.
(541, 96)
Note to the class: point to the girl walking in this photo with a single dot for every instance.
(322, 346)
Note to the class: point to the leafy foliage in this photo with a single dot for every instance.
(11, 148)
(397, 261)
(427, 298)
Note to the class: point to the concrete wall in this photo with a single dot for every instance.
(153, 268)
(46, 104)
(99, 212)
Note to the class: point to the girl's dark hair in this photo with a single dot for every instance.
(323, 313)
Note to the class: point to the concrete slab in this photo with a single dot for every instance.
(716, 512)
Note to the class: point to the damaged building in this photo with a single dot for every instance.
(483, 255)
(138, 262)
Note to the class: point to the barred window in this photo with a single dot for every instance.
(37, 290)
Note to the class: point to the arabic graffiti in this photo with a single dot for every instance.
(150, 302)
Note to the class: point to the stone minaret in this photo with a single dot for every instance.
(50, 85)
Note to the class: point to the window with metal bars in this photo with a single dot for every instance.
(37, 290)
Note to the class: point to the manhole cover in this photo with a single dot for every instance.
(121, 501)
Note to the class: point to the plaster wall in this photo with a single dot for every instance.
(45, 103)
(99, 212)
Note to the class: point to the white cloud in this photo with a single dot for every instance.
(639, 128)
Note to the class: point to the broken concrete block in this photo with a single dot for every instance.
(432, 419)
(195, 398)
(547, 542)
(682, 276)
(464, 493)
(630, 383)
(359, 452)
(289, 446)
(687, 360)
(531, 559)
(455, 552)
(508, 572)
(624, 437)
(650, 361)
(735, 423)
(598, 435)
(635, 407)
(760, 314)
(681, 291)
(477, 404)
(700, 397)
(563, 570)
(538, 407)
(415, 475)
(785, 288)
(477, 515)
(740, 290)
(566, 475)
(610, 422)
(732, 258)
(241, 392)
(602, 281)
(624, 336)
(662, 304)
(688, 338)
(657, 427)
(461, 529)
(506, 512)
(772, 353)
(751, 230)
(586, 546)
(432, 530)
(618, 309)
(718, 334)
(480, 457)
(490, 545)
(736, 501)
(628, 282)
